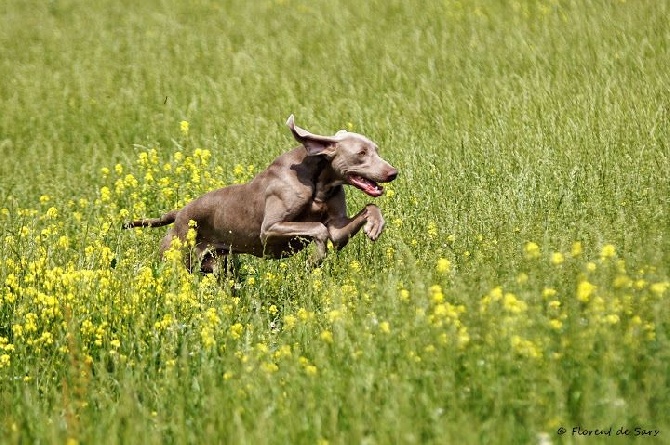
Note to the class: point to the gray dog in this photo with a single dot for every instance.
(297, 199)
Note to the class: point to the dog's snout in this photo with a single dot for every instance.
(392, 174)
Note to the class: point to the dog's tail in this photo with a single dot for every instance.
(164, 220)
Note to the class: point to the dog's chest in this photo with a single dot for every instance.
(318, 209)
(318, 205)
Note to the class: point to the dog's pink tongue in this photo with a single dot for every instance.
(369, 187)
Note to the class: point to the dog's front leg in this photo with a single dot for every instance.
(277, 232)
(341, 228)
(279, 227)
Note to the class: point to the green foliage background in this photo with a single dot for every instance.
(520, 128)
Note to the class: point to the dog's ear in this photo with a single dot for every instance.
(314, 143)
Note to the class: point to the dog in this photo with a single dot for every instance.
(299, 198)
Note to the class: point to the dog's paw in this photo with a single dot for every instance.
(374, 222)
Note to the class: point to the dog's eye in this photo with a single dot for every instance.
(362, 152)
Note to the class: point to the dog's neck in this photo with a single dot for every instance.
(326, 182)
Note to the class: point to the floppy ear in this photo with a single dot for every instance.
(314, 143)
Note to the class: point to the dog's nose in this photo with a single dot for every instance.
(392, 174)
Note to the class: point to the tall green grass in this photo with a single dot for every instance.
(521, 284)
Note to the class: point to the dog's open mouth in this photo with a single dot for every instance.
(369, 187)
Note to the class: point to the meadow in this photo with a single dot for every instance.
(520, 289)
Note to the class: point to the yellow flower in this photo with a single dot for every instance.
(548, 292)
(612, 319)
(270, 367)
(463, 337)
(432, 229)
(192, 233)
(622, 280)
(443, 266)
(660, 288)
(531, 250)
(105, 194)
(384, 327)
(289, 321)
(524, 347)
(496, 293)
(557, 258)
(555, 323)
(584, 291)
(576, 249)
(327, 336)
(183, 126)
(608, 251)
(304, 314)
(436, 295)
(513, 304)
(236, 331)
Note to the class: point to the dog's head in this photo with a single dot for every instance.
(353, 157)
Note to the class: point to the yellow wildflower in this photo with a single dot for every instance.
(555, 323)
(443, 266)
(436, 295)
(612, 319)
(289, 321)
(463, 337)
(576, 249)
(548, 292)
(608, 251)
(531, 250)
(496, 293)
(183, 127)
(557, 258)
(236, 330)
(622, 280)
(522, 278)
(432, 229)
(659, 288)
(584, 291)
(327, 336)
(513, 304)
(269, 367)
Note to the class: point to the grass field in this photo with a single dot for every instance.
(521, 286)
